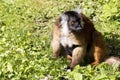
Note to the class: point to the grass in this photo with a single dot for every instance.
(25, 35)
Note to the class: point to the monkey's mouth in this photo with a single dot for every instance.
(78, 29)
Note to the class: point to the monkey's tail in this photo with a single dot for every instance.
(111, 60)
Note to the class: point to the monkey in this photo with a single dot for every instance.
(75, 36)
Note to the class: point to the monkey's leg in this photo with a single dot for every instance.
(77, 56)
(56, 47)
(99, 48)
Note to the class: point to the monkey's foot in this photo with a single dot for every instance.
(68, 68)
(94, 63)
(55, 56)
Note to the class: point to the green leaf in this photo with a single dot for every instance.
(78, 76)
(9, 67)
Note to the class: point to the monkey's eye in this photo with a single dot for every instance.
(73, 22)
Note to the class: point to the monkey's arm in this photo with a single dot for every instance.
(55, 44)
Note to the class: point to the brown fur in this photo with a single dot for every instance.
(90, 40)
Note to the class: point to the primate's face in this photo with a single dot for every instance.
(72, 20)
(74, 23)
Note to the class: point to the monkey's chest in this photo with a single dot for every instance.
(68, 44)
(66, 41)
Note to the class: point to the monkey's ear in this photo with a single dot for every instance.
(58, 22)
(86, 21)
(79, 11)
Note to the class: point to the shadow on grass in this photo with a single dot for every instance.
(113, 43)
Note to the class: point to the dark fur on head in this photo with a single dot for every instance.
(73, 20)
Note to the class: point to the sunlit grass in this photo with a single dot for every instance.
(25, 35)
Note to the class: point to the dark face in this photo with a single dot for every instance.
(74, 24)
(74, 21)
